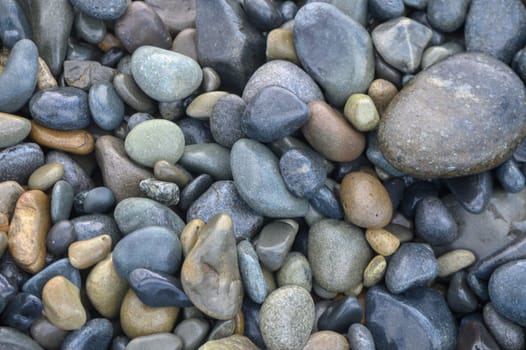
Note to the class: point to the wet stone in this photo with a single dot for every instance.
(194, 189)
(60, 267)
(326, 202)
(473, 192)
(90, 226)
(472, 333)
(22, 311)
(112, 9)
(505, 293)
(340, 314)
(195, 131)
(510, 176)
(158, 289)
(106, 107)
(303, 172)
(434, 223)
(74, 174)
(95, 334)
(99, 200)
(460, 298)
(59, 237)
(508, 335)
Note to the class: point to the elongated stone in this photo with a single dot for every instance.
(74, 141)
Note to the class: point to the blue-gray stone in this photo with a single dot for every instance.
(120, 342)
(360, 337)
(78, 203)
(18, 162)
(60, 267)
(22, 311)
(356, 9)
(326, 203)
(510, 176)
(422, 310)
(274, 242)
(445, 15)
(435, 54)
(251, 272)
(19, 77)
(92, 30)
(508, 334)
(303, 171)
(131, 93)
(341, 314)
(288, 10)
(223, 196)
(137, 118)
(95, 334)
(73, 172)
(251, 312)
(59, 237)
(8, 288)
(80, 54)
(272, 114)
(256, 176)
(478, 286)
(99, 200)
(154, 248)
(12, 339)
(153, 341)
(506, 291)
(263, 14)
(225, 120)
(61, 201)
(13, 23)
(208, 158)
(519, 66)
(61, 108)
(112, 57)
(412, 265)
(481, 22)
(157, 289)
(90, 226)
(473, 192)
(342, 64)
(473, 334)
(386, 9)
(134, 213)
(195, 131)
(514, 250)
(194, 189)
(106, 107)
(418, 4)
(460, 297)
(102, 9)
(434, 223)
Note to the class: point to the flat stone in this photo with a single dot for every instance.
(176, 15)
(386, 9)
(476, 77)
(504, 292)
(10, 338)
(90, 29)
(195, 131)
(208, 158)
(74, 141)
(382, 91)
(340, 314)
(225, 120)
(510, 176)
(98, 200)
(61, 267)
(62, 304)
(472, 333)
(96, 333)
(184, 43)
(73, 172)
(18, 162)
(90, 226)
(158, 289)
(303, 172)
(83, 74)
(106, 107)
(167, 341)
(375, 271)
(112, 9)
(166, 171)
(508, 335)
(434, 223)
(194, 190)
(59, 237)
(13, 129)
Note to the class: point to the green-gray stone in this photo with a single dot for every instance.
(61, 201)
(166, 341)
(11, 339)
(295, 271)
(251, 272)
(132, 94)
(193, 332)
(274, 242)
(435, 54)
(208, 158)
(13, 129)
(91, 29)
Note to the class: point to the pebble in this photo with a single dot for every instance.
(473, 333)
(210, 273)
(275, 241)
(473, 192)
(74, 141)
(3, 242)
(130, 93)
(84, 254)
(340, 314)
(15, 26)
(447, 17)
(338, 254)
(74, 174)
(460, 297)
(95, 334)
(222, 329)
(193, 332)
(23, 309)
(18, 162)
(256, 176)
(10, 338)
(195, 131)
(280, 46)
(60, 267)
(156, 341)
(62, 304)
(382, 92)
(510, 176)
(166, 193)
(505, 293)
(361, 112)
(375, 271)
(211, 80)
(225, 120)
(194, 190)
(112, 56)
(263, 14)
(13, 129)
(507, 334)
(464, 156)
(303, 171)
(176, 15)
(382, 241)
(152, 320)
(157, 289)
(325, 201)
(327, 340)
(349, 54)
(454, 261)
(59, 237)
(10, 191)
(184, 43)
(251, 272)
(106, 10)
(421, 309)
(295, 271)
(82, 72)
(234, 342)
(90, 29)
(105, 289)
(201, 107)
(208, 158)
(46, 334)
(166, 171)
(46, 176)
(360, 337)
(435, 54)
(106, 107)
(99, 200)
(434, 223)
(356, 9)
(386, 9)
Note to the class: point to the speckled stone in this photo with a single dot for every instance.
(360, 337)
(434, 223)
(10, 191)
(166, 193)
(509, 335)
(225, 120)
(13, 129)
(382, 241)
(95, 334)
(85, 254)
(295, 271)
(454, 261)
(303, 171)
(101, 9)
(10, 338)
(18, 162)
(83, 73)
(234, 342)
(361, 112)
(505, 292)
(62, 304)
(73, 172)
(46, 176)
(158, 289)
(374, 272)
(327, 340)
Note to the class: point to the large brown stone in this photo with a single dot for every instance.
(62, 305)
(75, 141)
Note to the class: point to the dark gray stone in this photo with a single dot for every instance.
(61, 201)
(137, 118)
(263, 14)
(22, 311)
(59, 237)
(194, 189)
(195, 131)
(106, 107)
(514, 250)
(303, 171)
(472, 334)
(325, 202)
(46, 334)
(83, 74)
(360, 337)
(510, 176)
(132, 94)
(208, 158)
(13, 24)
(157, 289)
(375, 156)
(274, 243)
(92, 30)
(386, 9)
(434, 223)
(460, 298)
(356, 9)
(225, 120)
(95, 334)
(166, 193)
(509, 335)
(176, 15)
(473, 192)
(90, 226)
(506, 292)
(341, 314)
(18, 162)
(74, 174)
(193, 332)
(99, 200)
(102, 9)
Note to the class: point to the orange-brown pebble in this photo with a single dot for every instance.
(240, 323)
(365, 200)
(4, 222)
(329, 133)
(382, 92)
(28, 230)
(108, 42)
(86, 253)
(75, 141)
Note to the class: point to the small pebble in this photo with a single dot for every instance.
(46, 176)
(84, 254)
(382, 241)
(454, 261)
(62, 304)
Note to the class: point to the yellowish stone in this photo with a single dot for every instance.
(361, 112)
(46, 176)
(62, 305)
(454, 261)
(201, 107)
(374, 272)
(190, 234)
(382, 241)
(280, 46)
(84, 254)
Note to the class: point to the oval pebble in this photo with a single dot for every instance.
(106, 106)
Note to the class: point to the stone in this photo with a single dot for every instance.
(166, 171)
(473, 192)
(130, 93)
(193, 332)
(382, 91)
(349, 54)
(508, 335)
(46, 334)
(356, 9)
(99, 200)
(158, 289)
(210, 273)
(510, 176)
(46, 176)
(95, 334)
(156, 341)
(422, 309)
(472, 333)
(74, 174)
(61, 267)
(375, 271)
(382, 241)
(435, 54)
(155, 140)
(295, 271)
(83, 74)
(13, 129)
(234, 342)
(385, 9)
(184, 43)
(3, 242)
(176, 15)
(326, 202)
(286, 318)
(14, 26)
(504, 291)
(280, 46)
(434, 223)
(225, 120)
(195, 131)
(194, 190)
(201, 107)
(361, 112)
(326, 340)
(258, 181)
(91, 29)
(208, 158)
(211, 80)
(62, 304)
(10, 338)
(460, 297)
(93, 225)
(263, 14)
(10, 191)
(21, 311)
(84, 254)
(59, 237)
(74, 141)
(106, 107)
(340, 314)
(166, 193)
(275, 241)
(331, 135)
(303, 172)
(338, 254)
(454, 261)
(112, 55)
(251, 272)
(412, 265)
(18, 162)
(101, 9)
(360, 337)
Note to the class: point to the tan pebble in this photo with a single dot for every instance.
(361, 112)
(105, 289)
(4, 222)
(108, 42)
(326, 340)
(184, 43)
(365, 200)
(10, 191)
(62, 304)
(404, 234)
(382, 241)
(374, 272)
(28, 230)
(331, 135)
(240, 323)
(45, 79)
(73, 141)
(355, 290)
(454, 261)
(201, 107)
(382, 92)
(3, 243)
(84, 254)
(189, 235)
(211, 80)
(280, 46)
(166, 171)
(138, 319)
(234, 342)
(45, 177)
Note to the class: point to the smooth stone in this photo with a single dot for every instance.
(62, 304)
(435, 54)
(166, 171)
(361, 112)
(508, 335)
(326, 202)
(184, 43)
(155, 140)
(286, 318)
(18, 162)
(105, 289)
(280, 46)
(59, 237)
(473, 192)
(8, 287)
(10, 338)
(414, 193)
(130, 93)
(210, 273)
(412, 265)
(331, 135)
(14, 25)
(90, 226)
(74, 174)
(365, 201)
(434, 223)
(263, 14)
(234, 342)
(382, 241)
(256, 176)
(60, 267)
(46, 334)
(152, 320)
(384, 71)
(195, 131)
(505, 293)
(201, 107)
(177, 76)
(158, 289)
(85, 254)
(112, 57)
(518, 64)
(166, 193)
(244, 45)
(375, 271)
(95, 334)
(166, 341)
(351, 52)
(295, 271)
(375, 156)
(345, 247)
(272, 114)
(303, 172)
(140, 26)
(382, 92)
(515, 250)
(473, 334)
(60, 108)
(176, 15)
(478, 286)
(447, 17)
(120, 342)
(480, 76)
(251, 272)
(208, 158)
(46, 176)
(119, 173)
(90, 29)
(83, 72)
(105, 10)
(19, 76)
(10, 191)
(386, 9)
(28, 230)
(99, 200)
(211, 80)
(222, 329)
(340, 314)
(225, 120)
(80, 52)
(22, 311)
(356, 9)
(460, 297)
(360, 337)
(480, 22)
(422, 309)
(454, 261)
(194, 190)
(13, 129)
(106, 107)
(327, 340)
(275, 241)
(79, 142)
(286, 75)
(510, 176)
(193, 332)
(155, 248)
